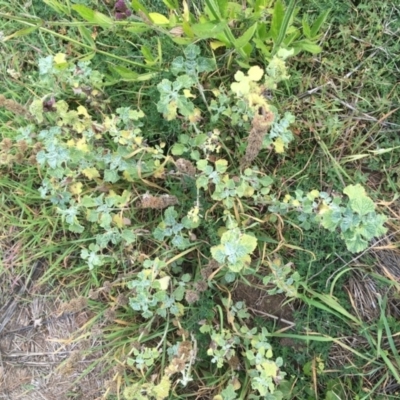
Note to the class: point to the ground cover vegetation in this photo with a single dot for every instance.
(216, 183)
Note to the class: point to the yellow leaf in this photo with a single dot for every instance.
(187, 94)
(172, 111)
(164, 282)
(236, 383)
(82, 111)
(287, 198)
(296, 203)
(313, 194)
(60, 58)
(71, 143)
(125, 136)
(138, 140)
(249, 191)
(241, 88)
(185, 14)
(158, 19)
(181, 309)
(159, 173)
(118, 220)
(161, 391)
(91, 173)
(270, 369)
(196, 116)
(76, 188)
(255, 73)
(279, 145)
(269, 353)
(239, 76)
(127, 176)
(256, 100)
(323, 208)
(216, 44)
(277, 262)
(82, 145)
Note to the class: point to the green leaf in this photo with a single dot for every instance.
(124, 73)
(330, 220)
(192, 52)
(246, 37)
(306, 45)
(318, 23)
(88, 202)
(214, 8)
(128, 236)
(202, 165)
(177, 65)
(202, 182)
(105, 220)
(170, 216)
(137, 27)
(282, 24)
(362, 205)
(171, 4)
(218, 253)
(184, 81)
(57, 6)
(148, 56)
(92, 16)
(221, 166)
(205, 64)
(111, 175)
(234, 250)
(277, 19)
(21, 33)
(200, 139)
(138, 6)
(36, 109)
(359, 201)
(356, 244)
(354, 191)
(207, 30)
(178, 149)
(306, 27)
(85, 33)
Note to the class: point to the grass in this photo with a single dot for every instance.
(347, 108)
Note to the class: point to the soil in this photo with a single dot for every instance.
(261, 303)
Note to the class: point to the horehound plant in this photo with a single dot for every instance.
(101, 175)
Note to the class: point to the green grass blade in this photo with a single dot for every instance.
(283, 23)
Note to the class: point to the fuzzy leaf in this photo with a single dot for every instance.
(128, 236)
(356, 243)
(221, 166)
(235, 249)
(359, 201)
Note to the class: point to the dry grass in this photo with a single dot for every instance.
(39, 358)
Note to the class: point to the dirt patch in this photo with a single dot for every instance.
(258, 301)
(39, 356)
